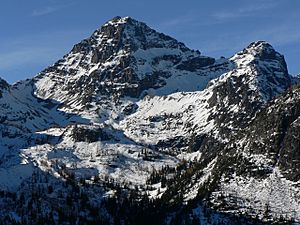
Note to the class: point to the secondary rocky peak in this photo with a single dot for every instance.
(260, 50)
(257, 48)
(264, 63)
(260, 74)
(260, 46)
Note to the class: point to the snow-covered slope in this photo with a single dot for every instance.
(22, 115)
(228, 104)
(131, 109)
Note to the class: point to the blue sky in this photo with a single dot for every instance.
(35, 33)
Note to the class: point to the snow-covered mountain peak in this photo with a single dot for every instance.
(118, 20)
(123, 35)
(125, 57)
(135, 34)
(123, 22)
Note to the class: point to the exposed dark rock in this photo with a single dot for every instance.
(130, 108)
(3, 86)
(196, 63)
(82, 134)
(278, 128)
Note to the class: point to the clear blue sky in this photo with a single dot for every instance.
(36, 33)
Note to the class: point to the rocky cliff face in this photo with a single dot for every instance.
(277, 127)
(134, 115)
(3, 86)
(262, 161)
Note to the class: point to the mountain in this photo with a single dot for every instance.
(132, 123)
(123, 58)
